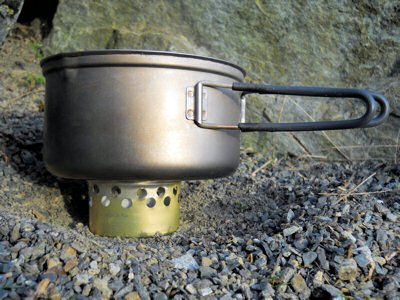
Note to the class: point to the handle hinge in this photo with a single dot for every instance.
(190, 104)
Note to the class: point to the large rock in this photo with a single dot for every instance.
(9, 12)
(325, 43)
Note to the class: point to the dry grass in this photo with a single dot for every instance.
(335, 146)
(351, 192)
(31, 92)
(272, 162)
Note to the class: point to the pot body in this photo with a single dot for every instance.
(121, 115)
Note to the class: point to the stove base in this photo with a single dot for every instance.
(133, 209)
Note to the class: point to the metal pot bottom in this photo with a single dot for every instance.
(133, 209)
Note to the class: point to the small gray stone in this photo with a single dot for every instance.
(51, 276)
(3, 280)
(361, 260)
(185, 262)
(26, 253)
(380, 260)
(251, 248)
(205, 292)
(367, 218)
(349, 236)
(116, 285)
(381, 238)
(14, 234)
(27, 227)
(290, 216)
(318, 279)
(114, 269)
(226, 297)
(380, 270)
(346, 209)
(4, 230)
(286, 252)
(323, 218)
(81, 279)
(291, 230)
(78, 247)
(322, 201)
(348, 270)
(322, 258)
(260, 286)
(38, 251)
(190, 289)
(27, 157)
(286, 275)
(5, 268)
(123, 292)
(160, 296)
(301, 244)
(202, 284)
(309, 257)
(102, 285)
(163, 285)
(207, 272)
(93, 264)
(300, 286)
(268, 292)
(206, 262)
(391, 217)
(3, 294)
(334, 292)
(96, 293)
(261, 262)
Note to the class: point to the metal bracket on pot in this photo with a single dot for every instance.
(190, 104)
(198, 99)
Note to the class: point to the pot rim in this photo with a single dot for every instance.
(140, 52)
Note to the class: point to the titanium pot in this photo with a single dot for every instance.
(147, 115)
(154, 118)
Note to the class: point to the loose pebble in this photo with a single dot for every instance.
(348, 270)
(185, 262)
(191, 289)
(309, 257)
(291, 230)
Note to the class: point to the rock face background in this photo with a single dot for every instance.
(324, 43)
(9, 12)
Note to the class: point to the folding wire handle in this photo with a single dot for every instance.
(367, 120)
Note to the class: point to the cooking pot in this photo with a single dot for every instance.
(151, 115)
(134, 123)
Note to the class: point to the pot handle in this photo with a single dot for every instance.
(384, 113)
(366, 96)
(367, 120)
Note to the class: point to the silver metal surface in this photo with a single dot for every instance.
(198, 103)
(190, 106)
(243, 109)
(121, 116)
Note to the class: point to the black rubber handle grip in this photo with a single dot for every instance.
(364, 121)
(384, 113)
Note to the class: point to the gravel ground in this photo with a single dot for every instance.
(279, 228)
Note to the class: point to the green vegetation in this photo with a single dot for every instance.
(33, 80)
(38, 48)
